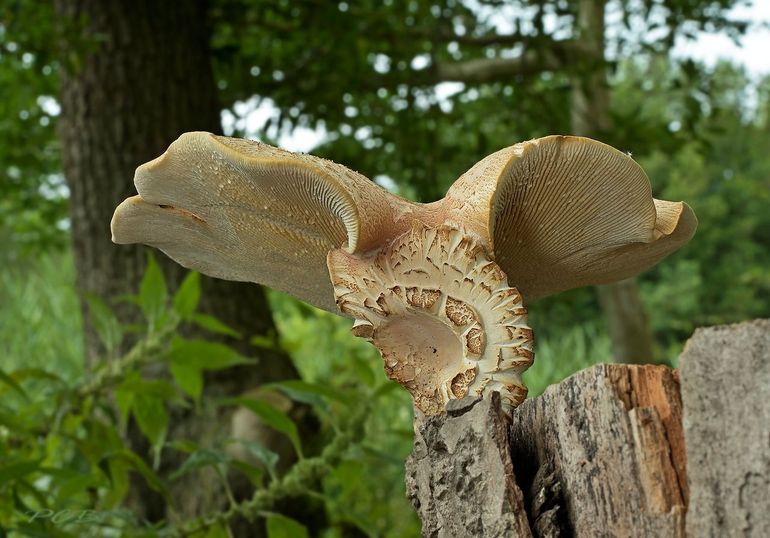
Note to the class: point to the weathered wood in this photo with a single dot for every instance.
(600, 454)
(460, 477)
(726, 394)
(606, 451)
(611, 438)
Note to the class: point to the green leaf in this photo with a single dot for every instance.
(188, 295)
(13, 423)
(296, 388)
(22, 502)
(205, 355)
(263, 454)
(152, 387)
(210, 323)
(184, 446)
(151, 416)
(385, 388)
(20, 469)
(274, 418)
(37, 373)
(203, 457)
(105, 323)
(76, 485)
(138, 464)
(145, 398)
(263, 341)
(384, 455)
(189, 378)
(124, 399)
(152, 292)
(218, 530)
(117, 470)
(11, 382)
(100, 438)
(279, 526)
(254, 474)
(27, 529)
(363, 370)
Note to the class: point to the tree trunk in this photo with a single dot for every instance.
(620, 302)
(627, 322)
(606, 452)
(136, 75)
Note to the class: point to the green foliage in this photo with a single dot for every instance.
(368, 73)
(279, 526)
(188, 359)
(40, 323)
(32, 207)
(67, 468)
(105, 323)
(153, 293)
(187, 296)
(724, 174)
(272, 417)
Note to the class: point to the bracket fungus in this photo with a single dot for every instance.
(439, 288)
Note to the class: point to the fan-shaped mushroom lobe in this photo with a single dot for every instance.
(441, 313)
(563, 212)
(243, 210)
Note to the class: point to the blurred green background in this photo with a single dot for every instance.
(411, 94)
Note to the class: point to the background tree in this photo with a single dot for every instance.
(590, 112)
(132, 80)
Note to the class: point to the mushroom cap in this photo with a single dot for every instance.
(246, 211)
(562, 212)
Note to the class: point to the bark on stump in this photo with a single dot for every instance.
(604, 453)
(726, 394)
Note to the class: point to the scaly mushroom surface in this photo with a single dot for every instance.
(439, 288)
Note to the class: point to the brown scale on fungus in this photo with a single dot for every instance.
(438, 288)
(459, 312)
(461, 381)
(474, 340)
(424, 299)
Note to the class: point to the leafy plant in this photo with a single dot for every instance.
(67, 465)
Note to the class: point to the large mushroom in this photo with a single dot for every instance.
(439, 288)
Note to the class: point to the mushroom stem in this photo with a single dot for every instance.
(441, 313)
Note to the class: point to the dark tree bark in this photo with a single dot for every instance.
(136, 75)
(621, 304)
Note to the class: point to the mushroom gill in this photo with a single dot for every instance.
(563, 212)
(242, 210)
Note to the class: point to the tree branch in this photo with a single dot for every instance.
(494, 69)
(480, 70)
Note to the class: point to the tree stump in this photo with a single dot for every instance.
(726, 394)
(604, 453)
